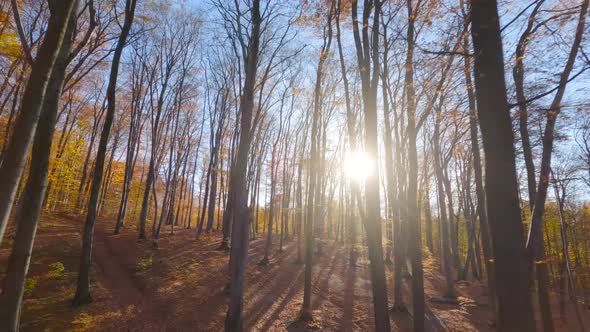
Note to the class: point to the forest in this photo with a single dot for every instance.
(295, 165)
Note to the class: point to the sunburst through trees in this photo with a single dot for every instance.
(294, 165)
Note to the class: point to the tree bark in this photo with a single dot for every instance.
(29, 209)
(518, 75)
(82, 295)
(534, 246)
(477, 171)
(243, 215)
(14, 158)
(414, 244)
(367, 62)
(444, 221)
(514, 309)
(560, 197)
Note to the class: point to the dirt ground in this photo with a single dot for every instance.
(179, 285)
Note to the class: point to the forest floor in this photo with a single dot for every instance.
(179, 285)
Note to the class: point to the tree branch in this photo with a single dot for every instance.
(21, 33)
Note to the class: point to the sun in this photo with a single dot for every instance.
(358, 165)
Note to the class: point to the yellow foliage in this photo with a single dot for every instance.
(85, 321)
(30, 285)
(144, 264)
(57, 270)
(10, 45)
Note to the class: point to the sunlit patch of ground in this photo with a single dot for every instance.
(180, 284)
(51, 281)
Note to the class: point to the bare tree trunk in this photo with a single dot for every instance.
(414, 242)
(194, 171)
(135, 129)
(109, 173)
(151, 176)
(368, 66)
(479, 188)
(14, 158)
(311, 205)
(444, 221)
(82, 295)
(13, 111)
(30, 206)
(350, 127)
(566, 253)
(535, 247)
(299, 198)
(243, 215)
(271, 212)
(214, 170)
(388, 146)
(274, 162)
(84, 177)
(212, 198)
(512, 277)
(518, 75)
(229, 206)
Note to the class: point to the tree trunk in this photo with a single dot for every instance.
(243, 215)
(535, 247)
(444, 221)
(518, 75)
(566, 256)
(29, 209)
(514, 309)
(82, 295)
(14, 158)
(132, 151)
(475, 149)
(415, 242)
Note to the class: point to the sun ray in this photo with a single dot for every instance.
(357, 165)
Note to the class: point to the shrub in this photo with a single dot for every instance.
(57, 270)
(30, 285)
(144, 264)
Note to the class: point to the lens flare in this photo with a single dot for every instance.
(357, 165)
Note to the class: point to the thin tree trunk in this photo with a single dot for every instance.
(518, 76)
(243, 215)
(566, 256)
(414, 242)
(82, 295)
(535, 247)
(444, 221)
(311, 206)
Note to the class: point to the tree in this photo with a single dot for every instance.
(534, 245)
(82, 295)
(13, 160)
(475, 148)
(514, 309)
(415, 242)
(162, 58)
(274, 165)
(30, 207)
(136, 123)
(368, 62)
(312, 213)
(238, 190)
(561, 182)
